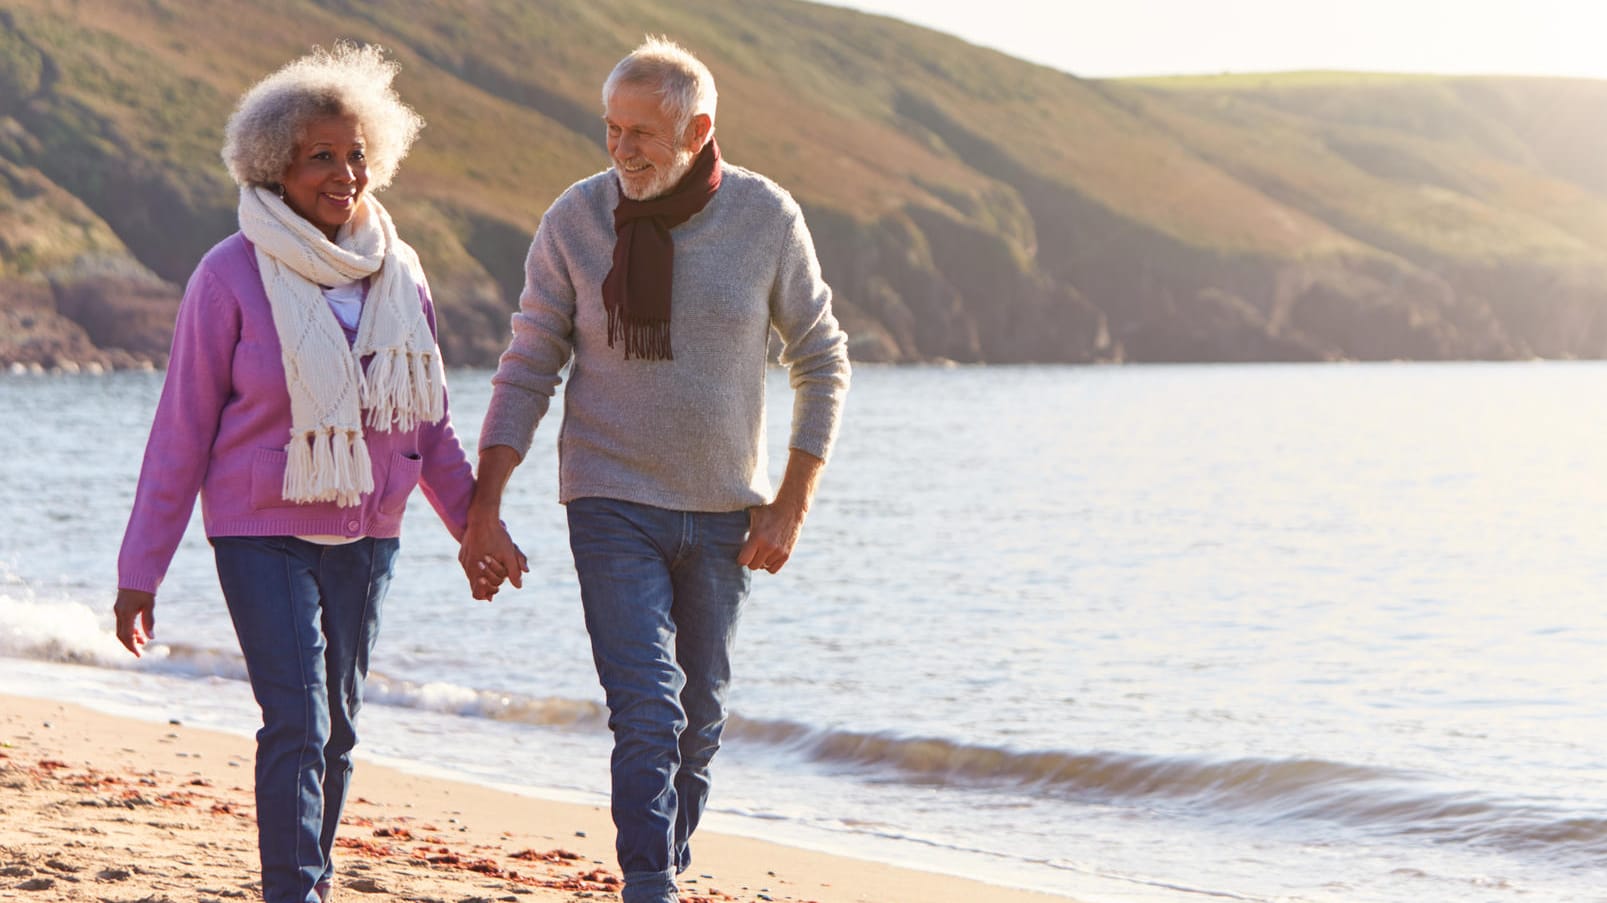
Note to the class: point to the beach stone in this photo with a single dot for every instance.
(16, 871)
(37, 884)
(114, 875)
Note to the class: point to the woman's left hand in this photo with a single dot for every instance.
(136, 618)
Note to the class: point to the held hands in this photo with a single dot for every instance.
(136, 618)
(488, 557)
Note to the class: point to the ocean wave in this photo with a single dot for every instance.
(542, 711)
(1372, 800)
(1269, 791)
(49, 631)
(73, 633)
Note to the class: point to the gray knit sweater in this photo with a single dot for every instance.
(688, 433)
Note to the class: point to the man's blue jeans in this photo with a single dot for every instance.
(662, 592)
(306, 615)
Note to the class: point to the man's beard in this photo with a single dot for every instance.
(663, 181)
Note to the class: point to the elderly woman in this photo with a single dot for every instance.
(304, 400)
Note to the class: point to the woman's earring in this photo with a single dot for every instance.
(281, 192)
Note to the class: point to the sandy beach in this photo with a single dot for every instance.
(95, 807)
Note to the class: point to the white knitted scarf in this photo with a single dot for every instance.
(404, 385)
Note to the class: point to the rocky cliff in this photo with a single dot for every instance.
(966, 205)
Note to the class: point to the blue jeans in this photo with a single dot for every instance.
(306, 615)
(662, 592)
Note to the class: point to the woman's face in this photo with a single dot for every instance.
(327, 173)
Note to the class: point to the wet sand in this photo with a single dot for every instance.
(95, 807)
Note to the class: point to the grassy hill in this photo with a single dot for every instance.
(967, 205)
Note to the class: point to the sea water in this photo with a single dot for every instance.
(1280, 632)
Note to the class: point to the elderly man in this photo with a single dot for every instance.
(661, 279)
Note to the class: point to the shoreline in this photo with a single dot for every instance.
(95, 803)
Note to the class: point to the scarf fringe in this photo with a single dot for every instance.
(362, 467)
(328, 465)
(403, 388)
(646, 341)
(298, 469)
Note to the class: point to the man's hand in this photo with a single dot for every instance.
(773, 529)
(136, 618)
(487, 554)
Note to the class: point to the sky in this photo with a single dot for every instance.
(1106, 38)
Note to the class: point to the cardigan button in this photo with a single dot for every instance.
(351, 526)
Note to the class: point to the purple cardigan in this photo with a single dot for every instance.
(224, 419)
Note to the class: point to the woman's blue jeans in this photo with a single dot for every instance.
(306, 615)
(662, 592)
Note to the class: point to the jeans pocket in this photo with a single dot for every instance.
(728, 528)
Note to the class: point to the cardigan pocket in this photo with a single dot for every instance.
(404, 475)
(268, 479)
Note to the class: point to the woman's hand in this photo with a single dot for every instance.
(136, 618)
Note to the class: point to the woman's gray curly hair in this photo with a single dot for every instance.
(348, 80)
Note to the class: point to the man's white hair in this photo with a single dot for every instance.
(684, 85)
(347, 80)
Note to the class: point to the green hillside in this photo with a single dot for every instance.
(966, 205)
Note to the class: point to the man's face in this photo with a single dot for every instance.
(648, 153)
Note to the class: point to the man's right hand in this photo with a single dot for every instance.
(488, 556)
(136, 618)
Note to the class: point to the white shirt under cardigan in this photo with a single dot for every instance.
(685, 434)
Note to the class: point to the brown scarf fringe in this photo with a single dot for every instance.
(648, 341)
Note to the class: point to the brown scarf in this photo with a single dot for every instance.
(636, 292)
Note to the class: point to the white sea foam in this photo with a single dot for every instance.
(55, 630)
(452, 699)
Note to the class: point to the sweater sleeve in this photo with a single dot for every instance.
(813, 347)
(543, 340)
(447, 478)
(199, 381)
